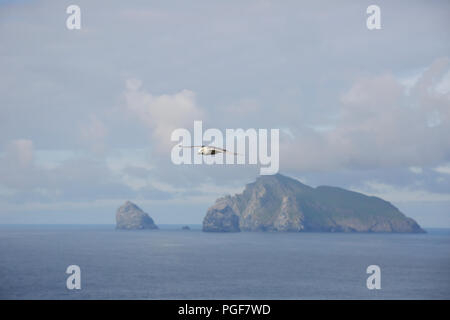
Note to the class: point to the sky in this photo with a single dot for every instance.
(86, 115)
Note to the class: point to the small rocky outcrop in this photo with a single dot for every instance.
(186, 228)
(130, 217)
(221, 218)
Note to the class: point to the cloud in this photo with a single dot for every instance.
(380, 125)
(161, 114)
(445, 169)
(416, 170)
(93, 134)
(401, 194)
(20, 152)
(76, 178)
(443, 87)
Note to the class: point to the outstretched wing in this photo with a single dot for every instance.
(190, 146)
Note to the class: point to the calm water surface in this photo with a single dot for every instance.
(174, 264)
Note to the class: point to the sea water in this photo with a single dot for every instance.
(171, 263)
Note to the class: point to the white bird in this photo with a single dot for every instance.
(209, 150)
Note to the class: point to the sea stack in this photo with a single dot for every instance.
(279, 203)
(130, 217)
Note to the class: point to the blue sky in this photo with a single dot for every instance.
(86, 115)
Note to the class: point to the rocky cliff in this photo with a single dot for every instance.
(130, 217)
(279, 203)
(221, 218)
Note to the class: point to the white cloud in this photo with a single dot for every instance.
(443, 169)
(162, 113)
(379, 126)
(20, 151)
(443, 87)
(410, 80)
(416, 170)
(94, 133)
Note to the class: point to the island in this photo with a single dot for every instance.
(279, 203)
(130, 217)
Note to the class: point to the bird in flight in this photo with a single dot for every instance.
(209, 150)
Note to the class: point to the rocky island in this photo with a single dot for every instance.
(130, 217)
(280, 203)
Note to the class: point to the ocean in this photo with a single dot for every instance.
(174, 264)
